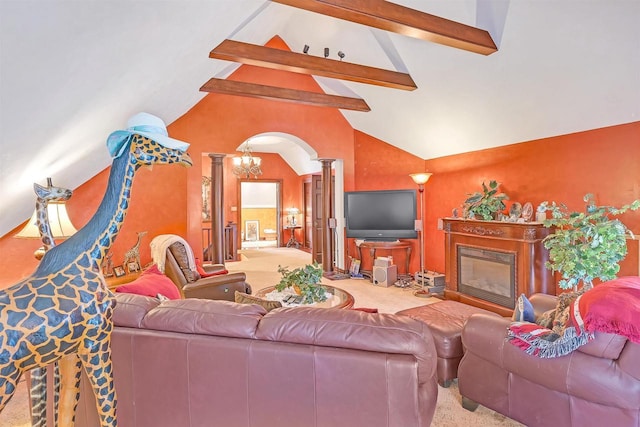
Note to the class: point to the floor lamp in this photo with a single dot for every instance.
(421, 179)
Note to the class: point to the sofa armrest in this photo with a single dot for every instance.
(217, 287)
(485, 334)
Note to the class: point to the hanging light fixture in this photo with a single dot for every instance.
(247, 164)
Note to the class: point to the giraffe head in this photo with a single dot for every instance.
(51, 193)
(146, 152)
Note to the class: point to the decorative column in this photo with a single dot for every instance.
(217, 225)
(327, 250)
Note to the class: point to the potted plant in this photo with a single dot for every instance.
(486, 204)
(586, 245)
(304, 281)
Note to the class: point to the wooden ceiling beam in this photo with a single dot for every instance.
(230, 87)
(262, 56)
(402, 20)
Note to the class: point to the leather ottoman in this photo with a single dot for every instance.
(445, 320)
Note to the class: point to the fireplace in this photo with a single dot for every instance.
(487, 274)
(488, 264)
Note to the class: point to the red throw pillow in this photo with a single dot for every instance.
(151, 283)
(203, 273)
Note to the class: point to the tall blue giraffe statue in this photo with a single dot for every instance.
(65, 308)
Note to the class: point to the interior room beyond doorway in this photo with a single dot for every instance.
(259, 213)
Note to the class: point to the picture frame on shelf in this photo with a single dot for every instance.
(118, 271)
(251, 228)
(133, 267)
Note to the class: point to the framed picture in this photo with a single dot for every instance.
(251, 228)
(118, 271)
(133, 266)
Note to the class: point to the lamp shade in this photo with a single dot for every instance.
(61, 226)
(420, 178)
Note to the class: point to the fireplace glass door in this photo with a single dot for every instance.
(487, 274)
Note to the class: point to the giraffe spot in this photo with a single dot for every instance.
(54, 317)
(15, 317)
(33, 321)
(38, 337)
(47, 290)
(66, 345)
(4, 359)
(78, 330)
(23, 351)
(62, 331)
(73, 271)
(85, 297)
(68, 291)
(13, 337)
(24, 302)
(66, 305)
(42, 303)
(22, 291)
(30, 361)
(4, 299)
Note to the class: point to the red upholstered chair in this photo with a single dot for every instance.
(192, 285)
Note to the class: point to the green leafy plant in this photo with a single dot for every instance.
(485, 204)
(586, 245)
(303, 280)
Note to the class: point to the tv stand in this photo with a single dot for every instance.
(390, 246)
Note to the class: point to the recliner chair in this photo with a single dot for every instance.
(192, 285)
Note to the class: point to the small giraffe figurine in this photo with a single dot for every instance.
(44, 195)
(133, 254)
(65, 307)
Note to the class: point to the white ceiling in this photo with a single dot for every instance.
(73, 71)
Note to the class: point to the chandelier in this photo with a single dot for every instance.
(247, 164)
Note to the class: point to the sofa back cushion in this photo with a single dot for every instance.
(207, 317)
(131, 309)
(385, 333)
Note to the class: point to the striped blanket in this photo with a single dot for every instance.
(612, 307)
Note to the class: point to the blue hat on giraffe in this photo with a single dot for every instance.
(147, 125)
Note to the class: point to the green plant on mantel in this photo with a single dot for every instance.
(304, 281)
(486, 204)
(586, 245)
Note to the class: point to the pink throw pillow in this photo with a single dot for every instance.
(151, 283)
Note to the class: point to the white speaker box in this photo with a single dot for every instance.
(385, 276)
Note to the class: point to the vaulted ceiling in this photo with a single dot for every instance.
(71, 72)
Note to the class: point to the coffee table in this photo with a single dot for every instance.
(340, 299)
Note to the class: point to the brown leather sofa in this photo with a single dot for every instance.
(208, 363)
(191, 285)
(596, 385)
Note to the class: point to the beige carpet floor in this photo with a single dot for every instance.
(261, 266)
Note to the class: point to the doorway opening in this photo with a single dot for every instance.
(259, 213)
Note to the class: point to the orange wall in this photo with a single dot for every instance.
(605, 162)
(380, 166)
(160, 191)
(167, 199)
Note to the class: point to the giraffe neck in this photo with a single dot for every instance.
(43, 223)
(96, 238)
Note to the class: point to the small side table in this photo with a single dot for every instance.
(292, 239)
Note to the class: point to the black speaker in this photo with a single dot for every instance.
(385, 276)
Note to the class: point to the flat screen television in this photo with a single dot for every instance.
(384, 215)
